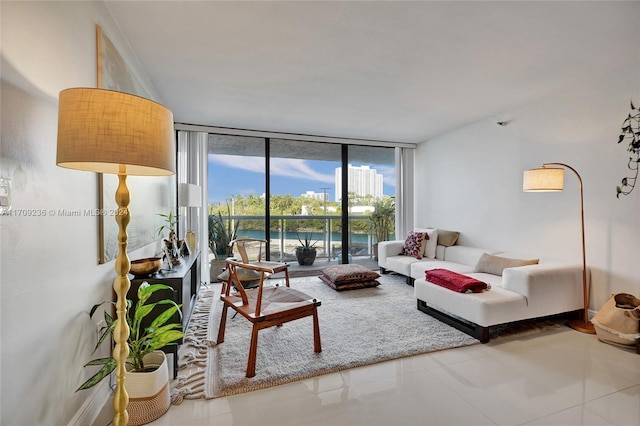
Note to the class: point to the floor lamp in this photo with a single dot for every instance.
(551, 179)
(106, 131)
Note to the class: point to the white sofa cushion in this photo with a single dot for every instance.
(465, 255)
(492, 307)
(402, 264)
(417, 269)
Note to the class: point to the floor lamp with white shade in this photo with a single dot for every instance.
(551, 179)
(112, 132)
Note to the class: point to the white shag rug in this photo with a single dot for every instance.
(357, 327)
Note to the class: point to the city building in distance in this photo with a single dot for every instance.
(363, 181)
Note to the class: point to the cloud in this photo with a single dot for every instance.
(252, 164)
(294, 168)
(298, 169)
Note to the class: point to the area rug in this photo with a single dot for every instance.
(357, 327)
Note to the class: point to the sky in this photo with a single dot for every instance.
(233, 175)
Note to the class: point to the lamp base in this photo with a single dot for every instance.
(582, 326)
(191, 240)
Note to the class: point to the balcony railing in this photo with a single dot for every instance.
(324, 231)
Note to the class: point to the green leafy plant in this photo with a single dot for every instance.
(630, 131)
(142, 340)
(170, 221)
(382, 220)
(221, 232)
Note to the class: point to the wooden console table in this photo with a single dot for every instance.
(185, 281)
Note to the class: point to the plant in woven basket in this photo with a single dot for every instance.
(142, 339)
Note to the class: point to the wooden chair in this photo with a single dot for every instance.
(251, 252)
(264, 306)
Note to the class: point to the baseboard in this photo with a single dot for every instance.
(89, 411)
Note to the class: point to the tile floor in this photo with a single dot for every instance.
(560, 377)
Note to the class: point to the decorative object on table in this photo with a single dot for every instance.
(617, 320)
(349, 276)
(144, 354)
(382, 221)
(189, 197)
(112, 132)
(171, 249)
(170, 244)
(170, 221)
(306, 252)
(630, 131)
(551, 179)
(145, 267)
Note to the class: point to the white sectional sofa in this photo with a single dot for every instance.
(521, 292)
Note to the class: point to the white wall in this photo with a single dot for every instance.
(473, 180)
(49, 276)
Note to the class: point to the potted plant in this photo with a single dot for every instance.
(381, 221)
(151, 328)
(221, 232)
(171, 245)
(306, 252)
(630, 131)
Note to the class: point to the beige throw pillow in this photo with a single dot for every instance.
(495, 264)
(447, 238)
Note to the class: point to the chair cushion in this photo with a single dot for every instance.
(248, 277)
(275, 299)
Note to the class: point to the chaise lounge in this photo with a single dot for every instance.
(520, 287)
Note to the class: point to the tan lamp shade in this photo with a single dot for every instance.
(113, 132)
(544, 179)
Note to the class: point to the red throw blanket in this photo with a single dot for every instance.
(454, 281)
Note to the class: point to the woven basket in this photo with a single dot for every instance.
(149, 395)
(615, 325)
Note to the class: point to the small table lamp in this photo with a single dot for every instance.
(189, 195)
(106, 131)
(551, 179)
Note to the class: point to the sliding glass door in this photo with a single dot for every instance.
(303, 209)
(371, 199)
(236, 182)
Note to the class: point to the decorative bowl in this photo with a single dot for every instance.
(145, 267)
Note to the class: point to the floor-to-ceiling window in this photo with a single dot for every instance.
(371, 176)
(236, 201)
(287, 189)
(302, 204)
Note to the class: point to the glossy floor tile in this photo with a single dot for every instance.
(560, 377)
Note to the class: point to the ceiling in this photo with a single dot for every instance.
(394, 70)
